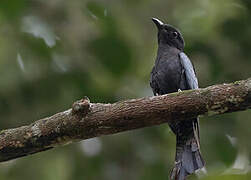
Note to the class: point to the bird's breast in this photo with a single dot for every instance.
(168, 73)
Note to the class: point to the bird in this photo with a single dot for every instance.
(173, 71)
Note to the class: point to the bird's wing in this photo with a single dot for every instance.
(192, 82)
(191, 78)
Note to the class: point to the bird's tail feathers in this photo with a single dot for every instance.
(188, 158)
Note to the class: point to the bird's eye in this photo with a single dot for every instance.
(175, 34)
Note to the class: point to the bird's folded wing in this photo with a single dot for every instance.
(191, 78)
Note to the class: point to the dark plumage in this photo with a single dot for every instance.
(174, 71)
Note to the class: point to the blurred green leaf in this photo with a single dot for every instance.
(12, 9)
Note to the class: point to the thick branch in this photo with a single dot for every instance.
(86, 120)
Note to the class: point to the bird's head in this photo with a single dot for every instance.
(169, 35)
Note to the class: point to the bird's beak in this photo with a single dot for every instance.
(158, 23)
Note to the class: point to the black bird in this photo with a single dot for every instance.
(173, 71)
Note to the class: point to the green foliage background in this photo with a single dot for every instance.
(55, 52)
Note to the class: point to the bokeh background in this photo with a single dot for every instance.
(55, 52)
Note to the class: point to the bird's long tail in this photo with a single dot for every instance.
(188, 157)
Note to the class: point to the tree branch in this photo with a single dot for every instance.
(86, 120)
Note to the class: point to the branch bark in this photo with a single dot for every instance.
(86, 120)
